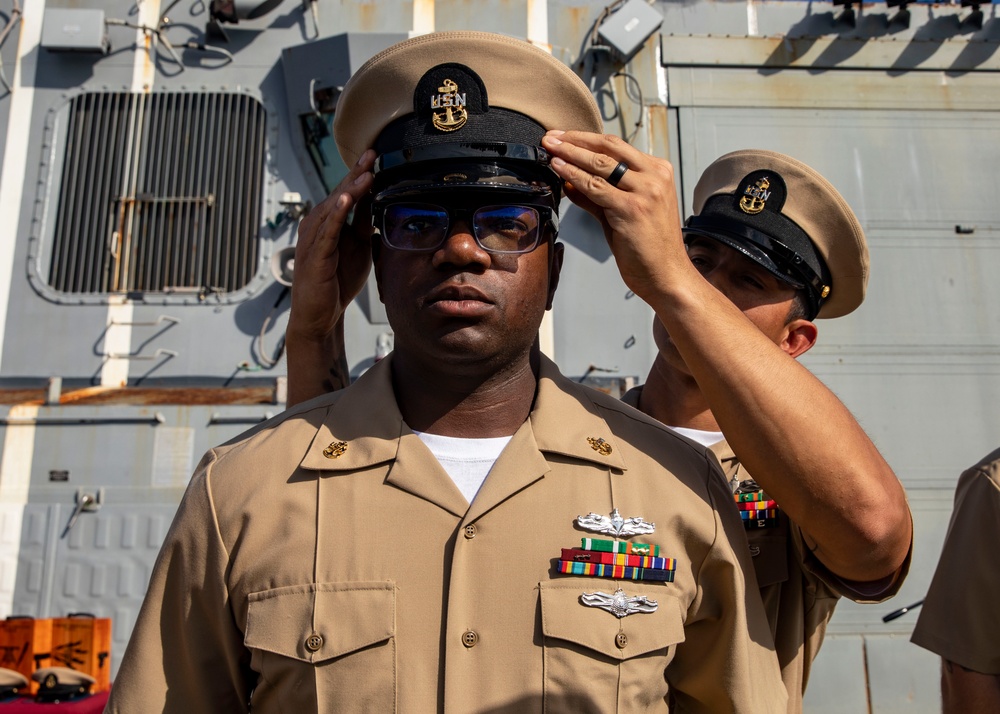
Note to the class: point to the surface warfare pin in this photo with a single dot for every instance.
(619, 604)
(616, 525)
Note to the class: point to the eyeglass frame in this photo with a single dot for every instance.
(547, 217)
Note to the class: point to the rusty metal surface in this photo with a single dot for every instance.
(860, 89)
(955, 55)
(138, 396)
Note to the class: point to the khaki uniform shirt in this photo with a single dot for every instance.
(798, 592)
(325, 562)
(959, 619)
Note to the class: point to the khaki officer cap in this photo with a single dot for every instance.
(10, 678)
(61, 683)
(516, 77)
(65, 676)
(784, 215)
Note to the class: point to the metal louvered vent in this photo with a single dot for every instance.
(159, 192)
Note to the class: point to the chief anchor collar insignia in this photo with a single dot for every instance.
(619, 604)
(335, 450)
(453, 103)
(755, 196)
(616, 525)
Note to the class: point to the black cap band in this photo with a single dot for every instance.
(519, 168)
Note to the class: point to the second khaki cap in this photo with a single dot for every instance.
(784, 215)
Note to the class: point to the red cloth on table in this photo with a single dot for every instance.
(94, 704)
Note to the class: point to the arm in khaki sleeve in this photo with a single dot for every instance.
(817, 461)
(332, 262)
(727, 662)
(959, 620)
(186, 654)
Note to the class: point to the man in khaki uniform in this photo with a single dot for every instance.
(463, 529)
(731, 318)
(779, 242)
(959, 619)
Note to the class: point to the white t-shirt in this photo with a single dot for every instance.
(467, 461)
(705, 438)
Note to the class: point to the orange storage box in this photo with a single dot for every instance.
(25, 645)
(83, 642)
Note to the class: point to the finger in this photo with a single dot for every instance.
(597, 154)
(355, 184)
(589, 172)
(608, 144)
(328, 233)
(598, 192)
(583, 202)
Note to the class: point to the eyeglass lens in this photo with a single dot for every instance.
(499, 229)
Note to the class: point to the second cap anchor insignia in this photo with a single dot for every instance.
(616, 525)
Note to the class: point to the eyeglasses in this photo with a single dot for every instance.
(497, 229)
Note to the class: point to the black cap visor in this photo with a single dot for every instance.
(777, 258)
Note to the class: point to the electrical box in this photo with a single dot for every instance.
(74, 30)
(629, 27)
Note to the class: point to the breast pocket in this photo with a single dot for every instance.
(597, 662)
(324, 647)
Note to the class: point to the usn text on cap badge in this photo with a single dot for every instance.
(755, 197)
(616, 525)
(619, 604)
(454, 115)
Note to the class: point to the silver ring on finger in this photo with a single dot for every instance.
(617, 173)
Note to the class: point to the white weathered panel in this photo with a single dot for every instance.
(837, 680)
(904, 678)
(173, 456)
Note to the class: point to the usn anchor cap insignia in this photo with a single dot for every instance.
(335, 450)
(755, 196)
(616, 525)
(453, 103)
(619, 604)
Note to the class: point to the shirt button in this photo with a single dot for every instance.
(314, 642)
(621, 640)
(470, 638)
(471, 531)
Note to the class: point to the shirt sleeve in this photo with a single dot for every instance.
(959, 619)
(861, 592)
(727, 662)
(186, 654)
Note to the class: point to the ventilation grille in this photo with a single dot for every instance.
(159, 192)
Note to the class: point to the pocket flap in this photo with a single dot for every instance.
(565, 617)
(348, 617)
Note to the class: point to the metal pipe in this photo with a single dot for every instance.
(156, 418)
